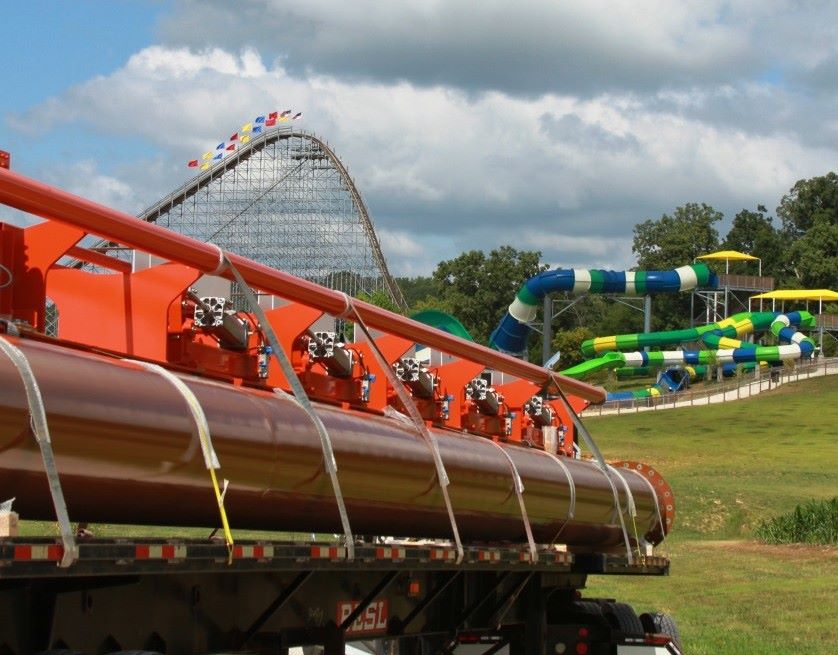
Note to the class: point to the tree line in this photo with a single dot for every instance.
(798, 248)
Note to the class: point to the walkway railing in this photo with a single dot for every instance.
(744, 386)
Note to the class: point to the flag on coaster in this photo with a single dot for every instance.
(232, 146)
(206, 166)
(247, 127)
(234, 137)
(257, 129)
(285, 113)
(193, 163)
(207, 155)
(220, 146)
(297, 115)
(245, 138)
(218, 156)
(270, 122)
(259, 120)
(273, 116)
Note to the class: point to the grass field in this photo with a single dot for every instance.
(730, 466)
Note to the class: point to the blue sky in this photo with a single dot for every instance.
(544, 125)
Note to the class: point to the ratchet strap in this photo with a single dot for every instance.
(40, 429)
(300, 396)
(518, 485)
(589, 441)
(204, 438)
(413, 412)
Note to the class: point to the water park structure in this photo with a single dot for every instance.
(717, 345)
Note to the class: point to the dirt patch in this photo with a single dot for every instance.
(780, 551)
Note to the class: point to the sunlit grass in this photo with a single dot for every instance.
(733, 466)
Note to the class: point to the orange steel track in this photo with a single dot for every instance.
(42, 200)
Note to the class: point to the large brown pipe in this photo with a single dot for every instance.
(126, 452)
(48, 202)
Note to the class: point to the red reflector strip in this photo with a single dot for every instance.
(159, 551)
(390, 552)
(328, 552)
(488, 555)
(257, 551)
(445, 554)
(38, 552)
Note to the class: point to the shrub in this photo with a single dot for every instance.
(815, 522)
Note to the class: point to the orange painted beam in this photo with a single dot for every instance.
(42, 200)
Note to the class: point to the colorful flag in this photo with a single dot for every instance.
(259, 119)
(257, 129)
(234, 137)
(218, 156)
(273, 116)
(270, 122)
(283, 119)
(205, 166)
(207, 155)
(220, 146)
(247, 127)
(285, 113)
(245, 138)
(193, 163)
(232, 146)
(297, 115)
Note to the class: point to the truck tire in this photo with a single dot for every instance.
(623, 618)
(588, 607)
(663, 624)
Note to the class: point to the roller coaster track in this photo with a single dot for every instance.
(246, 151)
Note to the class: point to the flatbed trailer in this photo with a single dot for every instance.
(127, 409)
(188, 596)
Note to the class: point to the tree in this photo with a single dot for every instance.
(814, 256)
(569, 343)
(810, 201)
(754, 233)
(416, 289)
(381, 299)
(676, 240)
(810, 222)
(477, 289)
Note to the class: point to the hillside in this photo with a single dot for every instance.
(730, 466)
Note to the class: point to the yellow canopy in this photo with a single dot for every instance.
(729, 255)
(823, 295)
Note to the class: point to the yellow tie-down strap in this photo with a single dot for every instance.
(210, 456)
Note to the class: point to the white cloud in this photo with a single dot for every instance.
(443, 169)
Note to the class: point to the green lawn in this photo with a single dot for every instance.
(731, 465)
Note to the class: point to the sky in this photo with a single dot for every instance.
(545, 125)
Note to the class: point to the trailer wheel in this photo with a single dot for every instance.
(623, 618)
(664, 624)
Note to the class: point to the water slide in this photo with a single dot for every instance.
(725, 349)
(510, 336)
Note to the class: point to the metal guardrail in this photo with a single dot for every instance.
(745, 386)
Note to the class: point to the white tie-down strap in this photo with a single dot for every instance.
(591, 444)
(302, 399)
(654, 497)
(415, 417)
(571, 507)
(200, 419)
(518, 485)
(40, 429)
(204, 438)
